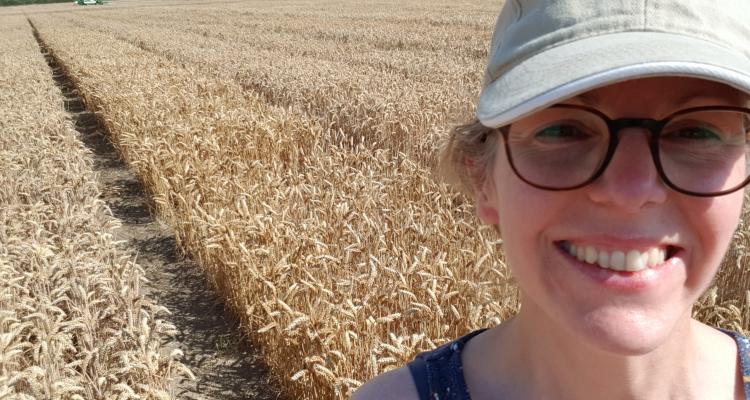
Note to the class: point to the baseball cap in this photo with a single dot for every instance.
(544, 51)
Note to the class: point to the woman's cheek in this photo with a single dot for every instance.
(713, 222)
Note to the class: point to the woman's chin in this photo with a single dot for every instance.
(624, 336)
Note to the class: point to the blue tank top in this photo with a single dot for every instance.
(439, 375)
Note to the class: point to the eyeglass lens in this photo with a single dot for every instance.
(703, 151)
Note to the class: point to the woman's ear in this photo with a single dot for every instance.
(485, 198)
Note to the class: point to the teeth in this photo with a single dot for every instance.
(591, 255)
(580, 253)
(619, 260)
(634, 261)
(656, 256)
(603, 259)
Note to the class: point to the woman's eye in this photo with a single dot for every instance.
(560, 132)
(694, 133)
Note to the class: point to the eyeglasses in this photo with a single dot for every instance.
(701, 151)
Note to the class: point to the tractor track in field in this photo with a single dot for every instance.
(226, 365)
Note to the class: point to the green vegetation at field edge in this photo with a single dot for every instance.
(22, 2)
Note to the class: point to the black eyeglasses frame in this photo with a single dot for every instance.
(654, 126)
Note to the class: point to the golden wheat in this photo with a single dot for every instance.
(71, 308)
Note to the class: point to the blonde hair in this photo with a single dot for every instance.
(467, 158)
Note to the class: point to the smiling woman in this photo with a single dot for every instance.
(610, 148)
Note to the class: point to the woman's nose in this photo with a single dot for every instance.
(630, 181)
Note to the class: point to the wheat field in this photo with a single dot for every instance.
(74, 323)
(292, 147)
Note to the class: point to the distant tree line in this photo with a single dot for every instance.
(21, 2)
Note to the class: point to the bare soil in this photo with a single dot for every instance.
(226, 365)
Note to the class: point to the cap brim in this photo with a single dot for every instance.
(572, 68)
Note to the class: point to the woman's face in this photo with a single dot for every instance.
(628, 209)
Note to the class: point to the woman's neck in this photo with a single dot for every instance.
(528, 357)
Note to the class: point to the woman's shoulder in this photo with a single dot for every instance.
(440, 363)
(396, 384)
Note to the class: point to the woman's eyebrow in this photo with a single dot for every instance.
(710, 99)
(584, 99)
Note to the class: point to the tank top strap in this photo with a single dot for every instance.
(438, 374)
(743, 348)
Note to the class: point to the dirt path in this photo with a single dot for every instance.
(226, 366)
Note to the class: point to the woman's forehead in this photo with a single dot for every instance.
(662, 92)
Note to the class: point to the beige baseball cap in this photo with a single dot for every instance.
(544, 51)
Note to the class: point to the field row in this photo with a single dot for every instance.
(74, 323)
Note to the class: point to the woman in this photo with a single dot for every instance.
(610, 150)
